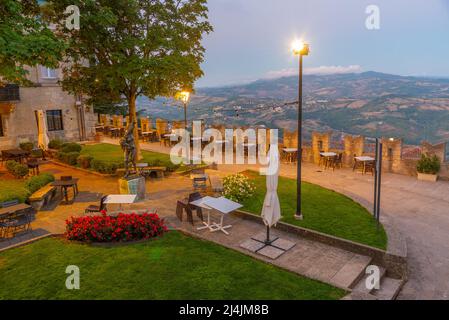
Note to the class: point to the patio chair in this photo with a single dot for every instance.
(94, 208)
(370, 167)
(356, 164)
(336, 161)
(16, 222)
(185, 205)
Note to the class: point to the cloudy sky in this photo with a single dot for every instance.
(252, 38)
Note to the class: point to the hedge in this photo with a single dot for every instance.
(71, 147)
(35, 183)
(55, 144)
(104, 167)
(17, 169)
(68, 157)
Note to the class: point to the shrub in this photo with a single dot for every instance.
(37, 153)
(10, 191)
(428, 164)
(104, 167)
(71, 147)
(238, 187)
(68, 157)
(124, 227)
(35, 183)
(84, 161)
(17, 169)
(55, 144)
(27, 146)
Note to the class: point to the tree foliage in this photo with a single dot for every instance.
(25, 41)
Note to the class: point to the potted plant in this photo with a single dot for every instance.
(428, 168)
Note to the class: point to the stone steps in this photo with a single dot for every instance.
(351, 273)
(389, 289)
(361, 285)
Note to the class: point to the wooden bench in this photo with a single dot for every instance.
(159, 171)
(42, 196)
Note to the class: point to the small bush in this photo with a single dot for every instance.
(27, 146)
(37, 153)
(35, 183)
(428, 164)
(104, 167)
(17, 169)
(84, 161)
(124, 227)
(71, 147)
(69, 158)
(55, 144)
(238, 187)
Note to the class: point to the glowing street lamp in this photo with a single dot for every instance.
(184, 96)
(300, 49)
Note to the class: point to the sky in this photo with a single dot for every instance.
(252, 38)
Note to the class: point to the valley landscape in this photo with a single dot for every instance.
(368, 103)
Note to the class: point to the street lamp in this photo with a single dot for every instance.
(184, 96)
(300, 49)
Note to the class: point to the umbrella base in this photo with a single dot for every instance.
(267, 243)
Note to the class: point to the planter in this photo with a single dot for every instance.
(427, 177)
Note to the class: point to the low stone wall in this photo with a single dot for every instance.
(394, 262)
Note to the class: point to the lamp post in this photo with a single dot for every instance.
(184, 97)
(300, 49)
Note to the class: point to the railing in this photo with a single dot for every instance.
(10, 92)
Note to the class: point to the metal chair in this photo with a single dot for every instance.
(94, 208)
(14, 223)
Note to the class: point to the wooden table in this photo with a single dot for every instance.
(16, 154)
(64, 185)
(12, 209)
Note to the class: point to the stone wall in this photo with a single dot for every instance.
(20, 125)
(320, 142)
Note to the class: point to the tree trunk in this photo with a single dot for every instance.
(133, 118)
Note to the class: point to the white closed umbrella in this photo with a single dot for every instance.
(271, 211)
(42, 136)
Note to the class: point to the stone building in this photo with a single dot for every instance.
(67, 117)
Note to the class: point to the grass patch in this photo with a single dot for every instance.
(172, 267)
(324, 210)
(113, 154)
(12, 189)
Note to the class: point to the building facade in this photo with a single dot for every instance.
(67, 117)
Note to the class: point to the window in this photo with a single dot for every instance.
(48, 73)
(1, 126)
(54, 120)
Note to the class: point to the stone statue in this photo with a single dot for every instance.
(129, 148)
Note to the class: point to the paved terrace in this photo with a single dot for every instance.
(418, 209)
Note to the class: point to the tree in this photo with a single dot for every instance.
(133, 47)
(25, 41)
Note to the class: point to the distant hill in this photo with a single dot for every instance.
(369, 103)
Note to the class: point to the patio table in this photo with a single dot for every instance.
(16, 154)
(290, 153)
(327, 156)
(64, 185)
(120, 199)
(221, 205)
(17, 207)
(365, 160)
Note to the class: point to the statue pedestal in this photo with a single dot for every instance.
(133, 185)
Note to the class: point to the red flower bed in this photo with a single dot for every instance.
(124, 227)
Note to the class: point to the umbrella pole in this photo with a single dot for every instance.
(268, 236)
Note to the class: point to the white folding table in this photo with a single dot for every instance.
(120, 199)
(222, 205)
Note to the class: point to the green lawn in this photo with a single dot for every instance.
(324, 210)
(13, 189)
(113, 153)
(172, 267)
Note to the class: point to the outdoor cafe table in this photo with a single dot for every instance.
(364, 160)
(64, 185)
(16, 154)
(290, 153)
(17, 207)
(221, 205)
(328, 156)
(120, 199)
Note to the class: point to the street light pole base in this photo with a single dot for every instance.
(298, 216)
